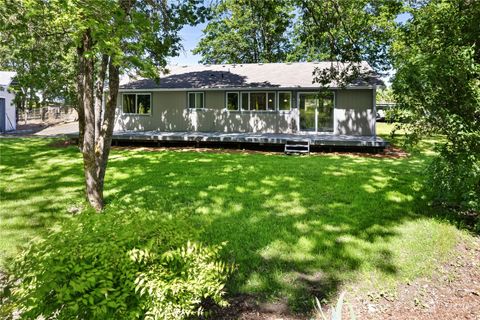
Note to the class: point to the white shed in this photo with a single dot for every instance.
(8, 118)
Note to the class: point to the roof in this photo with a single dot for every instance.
(257, 75)
(6, 78)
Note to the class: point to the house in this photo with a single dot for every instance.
(8, 121)
(269, 98)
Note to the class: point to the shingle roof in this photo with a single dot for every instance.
(267, 75)
(6, 78)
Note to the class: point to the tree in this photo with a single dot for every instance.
(347, 32)
(437, 86)
(42, 60)
(109, 37)
(246, 31)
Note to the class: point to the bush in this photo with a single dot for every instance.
(112, 266)
(454, 182)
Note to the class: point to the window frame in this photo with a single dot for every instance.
(334, 107)
(239, 106)
(275, 103)
(136, 94)
(278, 101)
(203, 100)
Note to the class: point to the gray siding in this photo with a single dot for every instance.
(353, 115)
(354, 112)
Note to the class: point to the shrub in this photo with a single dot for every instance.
(454, 180)
(114, 266)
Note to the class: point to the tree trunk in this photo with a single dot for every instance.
(99, 95)
(93, 187)
(105, 138)
(80, 93)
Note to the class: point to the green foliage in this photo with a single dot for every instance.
(385, 95)
(454, 179)
(437, 88)
(336, 312)
(246, 32)
(37, 49)
(299, 30)
(117, 266)
(350, 30)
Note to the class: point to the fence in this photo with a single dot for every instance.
(55, 113)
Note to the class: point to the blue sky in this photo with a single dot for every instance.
(190, 37)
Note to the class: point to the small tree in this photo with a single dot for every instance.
(437, 85)
(107, 37)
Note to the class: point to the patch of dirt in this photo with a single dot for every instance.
(453, 292)
(245, 307)
(389, 153)
(194, 149)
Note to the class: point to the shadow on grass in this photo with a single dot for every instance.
(296, 227)
(38, 185)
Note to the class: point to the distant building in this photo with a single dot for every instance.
(8, 121)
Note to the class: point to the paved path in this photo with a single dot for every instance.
(59, 129)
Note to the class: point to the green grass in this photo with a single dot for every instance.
(296, 227)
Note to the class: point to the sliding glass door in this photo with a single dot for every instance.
(316, 112)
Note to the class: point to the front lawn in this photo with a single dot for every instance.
(296, 227)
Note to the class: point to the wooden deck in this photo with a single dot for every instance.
(252, 138)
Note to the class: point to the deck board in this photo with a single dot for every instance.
(256, 138)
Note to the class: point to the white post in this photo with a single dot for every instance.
(374, 128)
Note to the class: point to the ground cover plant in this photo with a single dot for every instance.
(294, 227)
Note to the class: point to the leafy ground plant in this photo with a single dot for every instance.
(117, 266)
(336, 313)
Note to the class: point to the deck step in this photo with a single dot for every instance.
(297, 146)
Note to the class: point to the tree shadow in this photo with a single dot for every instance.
(38, 185)
(295, 227)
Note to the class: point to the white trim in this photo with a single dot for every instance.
(203, 100)
(238, 100)
(374, 129)
(316, 113)
(244, 89)
(136, 103)
(275, 108)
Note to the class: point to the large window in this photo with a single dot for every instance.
(284, 100)
(137, 103)
(258, 101)
(195, 100)
(233, 101)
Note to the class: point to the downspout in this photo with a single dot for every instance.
(374, 129)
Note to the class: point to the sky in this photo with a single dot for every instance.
(190, 37)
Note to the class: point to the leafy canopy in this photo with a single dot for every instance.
(246, 31)
(437, 86)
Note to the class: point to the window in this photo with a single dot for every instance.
(140, 103)
(271, 101)
(232, 101)
(284, 100)
(195, 100)
(258, 101)
(244, 100)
